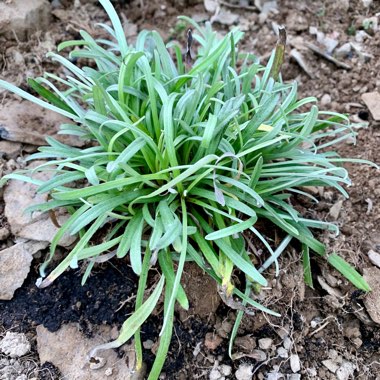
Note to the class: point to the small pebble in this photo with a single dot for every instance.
(265, 343)
(295, 363)
(225, 369)
(326, 100)
(287, 343)
(244, 372)
(282, 353)
(374, 258)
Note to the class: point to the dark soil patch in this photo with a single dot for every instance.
(98, 301)
(112, 284)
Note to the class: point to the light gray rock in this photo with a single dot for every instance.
(15, 265)
(21, 18)
(374, 257)
(244, 372)
(331, 365)
(295, 363)
(345, 371)
(282, 353)
(343, 51)
(215, 374)
(265, 343)
(325, 100)
(67, 349)
(14, 345)
(225, 369)
(38, 226)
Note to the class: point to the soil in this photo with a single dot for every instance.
(108, 295)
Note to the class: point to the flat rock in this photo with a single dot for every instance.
(15, 265)
(37, 226)
(25, 122)
(335, 210)
(372, 101)
(10, 149)
(22, 17)
(67, 349)
(14, 345)
(374, 257)
(372, 299)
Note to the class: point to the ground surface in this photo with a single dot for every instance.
(317, 325)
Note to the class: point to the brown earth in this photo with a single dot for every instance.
(317, 324)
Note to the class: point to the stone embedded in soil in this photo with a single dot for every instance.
(14, 345)
(345, 371)
(335, 210)
(372, 299)
(10, 149)
(295, 363)
(244, 372)
(15, 265)
(374, 257)
(265, 343)
(20, 18)
(331, 365)
(25, 122)
(372, 101)
(67, 349)
(38, 226)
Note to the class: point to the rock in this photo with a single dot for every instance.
(28, 123)
(345, 371)
(374, 257)
(10, 149)
(265, 343)
(244, 372)
(372, 101)
(21, 18)
(215, 375)
(274, 376)
(325, 100)
(226, 18)
(211, 5)
(287, 343)
(367, 3)
(225, 369)
(293, 376)
(295, 363)
(282, 353)
(296, 22)
(37, 226)
(343, 51)
(67, 349)
(212, 341)
(335, 210)
(14, 345)
(372, 299)
(330, 365)
(15, 265)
